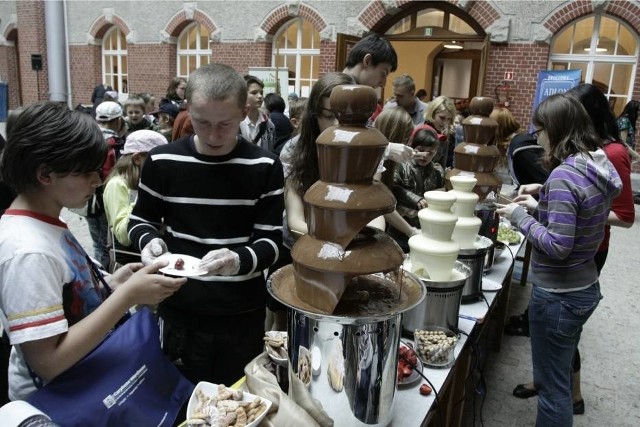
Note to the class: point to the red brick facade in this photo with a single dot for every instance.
(151, 66)
(525, 60)
(34, 85)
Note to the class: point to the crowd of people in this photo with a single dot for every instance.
(218, 171)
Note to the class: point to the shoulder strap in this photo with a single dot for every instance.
(262, 127)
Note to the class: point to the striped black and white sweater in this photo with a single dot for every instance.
(205, 203)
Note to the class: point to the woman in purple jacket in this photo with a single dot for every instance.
(565, 227)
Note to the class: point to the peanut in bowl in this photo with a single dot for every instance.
(276, 345)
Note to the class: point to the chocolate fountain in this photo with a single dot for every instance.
(477, 158)
(345, 289)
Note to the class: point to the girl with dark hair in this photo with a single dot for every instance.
(176, 91)
(565, 228)
(627, 126)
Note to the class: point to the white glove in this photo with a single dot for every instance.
(221, 262)
(399, 153)
(153, 250)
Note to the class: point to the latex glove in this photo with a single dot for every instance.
(221, 262)
(415, 231)
(399, 153)
(506, 211)
(528, 201)
(153, 250)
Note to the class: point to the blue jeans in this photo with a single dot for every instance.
(555, 325)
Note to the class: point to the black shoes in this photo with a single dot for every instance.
(522, 392)
(578, 407)
(518, 325)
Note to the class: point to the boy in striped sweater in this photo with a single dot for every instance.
(218, 198)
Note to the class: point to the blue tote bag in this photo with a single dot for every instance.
(126, 381)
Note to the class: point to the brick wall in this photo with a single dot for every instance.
(525, 60)
(151, 68)
(9, 73)
(327, 57)
(30, 16)
(241, 56)
(85, 63)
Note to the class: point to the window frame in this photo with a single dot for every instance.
(119, 54)
(592, 57)
(298, 52)
(198, 52)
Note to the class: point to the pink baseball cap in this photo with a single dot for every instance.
(142, 141)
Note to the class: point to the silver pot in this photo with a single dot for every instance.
(474, 259)
(354, 359)
(441, 306)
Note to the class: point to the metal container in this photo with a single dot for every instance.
(474, 259)
(355, 376)
(441, 306)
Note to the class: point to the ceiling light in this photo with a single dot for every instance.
(453, 45)
(598, 49)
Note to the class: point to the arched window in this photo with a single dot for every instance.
(605, 50)
(114, 60)
(439, 21)
(297, 47)
(193, 49)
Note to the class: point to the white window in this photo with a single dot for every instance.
(114, 60)
(605, 50)
(297, 47)
(193, 49)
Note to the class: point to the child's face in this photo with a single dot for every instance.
(72, 190)
(135, 114)
(215, 123)
(164, 119)
(254, 96)
(424, 155)
(326, 118)
(442, 120)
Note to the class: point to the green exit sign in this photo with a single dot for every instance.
(428, 31)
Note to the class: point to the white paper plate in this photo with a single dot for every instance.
(190, 265)
(210, 389)
(490, 286)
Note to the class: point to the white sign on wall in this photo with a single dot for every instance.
(274, 79)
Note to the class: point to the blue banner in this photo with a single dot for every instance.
(551, 82)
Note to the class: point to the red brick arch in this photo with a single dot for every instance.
(180, 21)
(374, 16)
(100, 26)
(626, 11)
(7, 31)
(279, 16)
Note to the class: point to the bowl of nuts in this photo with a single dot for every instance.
(435, 346)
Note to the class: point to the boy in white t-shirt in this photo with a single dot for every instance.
(52, 304)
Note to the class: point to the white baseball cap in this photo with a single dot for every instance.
(108, 110)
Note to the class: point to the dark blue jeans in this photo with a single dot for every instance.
(555, 324)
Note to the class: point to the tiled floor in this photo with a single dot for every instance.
(609, 347)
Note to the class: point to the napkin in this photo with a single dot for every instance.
(292, 410)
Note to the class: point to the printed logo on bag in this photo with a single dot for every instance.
(126, 389)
